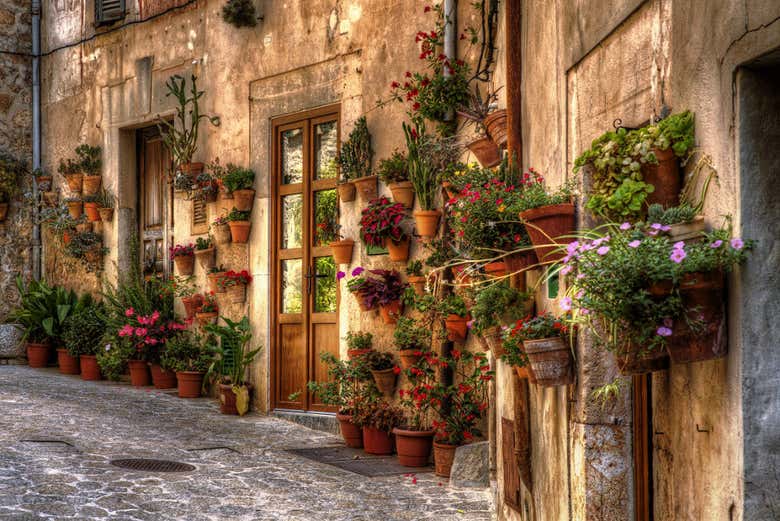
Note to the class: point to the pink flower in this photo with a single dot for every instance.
(737, 244)
(129, 312)
(679, 245)
(656, 226)
(716, 244)
(603, 250)
(127, 330)
(663, 331)
(141, 331)
(634, 244)
(625, 226)
(678, 256)
(565, 303)
(155, 317)
(566, 269)
(357, 271)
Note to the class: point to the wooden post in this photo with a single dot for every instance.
(513, 45)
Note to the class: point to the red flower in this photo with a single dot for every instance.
(397, 370)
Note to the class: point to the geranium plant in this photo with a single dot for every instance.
(235, 278)
(381, 220)
(182, 250)
(210, 304)
(147, 334)
(348, 384)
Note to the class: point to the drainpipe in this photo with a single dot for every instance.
(450, 39)
(36, 132)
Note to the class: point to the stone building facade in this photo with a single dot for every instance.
(712, 436)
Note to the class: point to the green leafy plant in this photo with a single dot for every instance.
(112, 359)
(414, 268)
(348, 384)
(187, 351)
(238, 215)
(410, 334)
(496, 305)
(83, 244)
(83, 330)
(89, 159)
(668, 216)
(428, 156)
(233, 357)
(394, 169)
(379, 415)
(452, 304)
(203, 243)
(359, 340)
(355, 155)
(106, 199)
(379, 361)
(11, 173)
(624, 203)
(240, 13)
(238, 178)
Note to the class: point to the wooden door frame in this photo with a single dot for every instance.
(643, 446)
(307, 119)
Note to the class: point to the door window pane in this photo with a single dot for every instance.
(292, 156)
(325, 149)
(325, 217)
(292, 221)
(292, 295)
(325, 287)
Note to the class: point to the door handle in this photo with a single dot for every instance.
(309, 276)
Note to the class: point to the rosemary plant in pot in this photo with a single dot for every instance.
(394, 172)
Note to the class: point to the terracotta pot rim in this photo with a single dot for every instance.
(190, 373)
(548, 210)
(413, 434)
(530, 348)
(427, 213)
(446, 445)
(239, 223)
(207, 250)
(343, 242)
(401, 184)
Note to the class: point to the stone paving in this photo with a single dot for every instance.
(104, 421)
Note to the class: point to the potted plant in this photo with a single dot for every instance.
(234, 283)
(186, 354)
(106, 203)
(221, 230)
(358, 344)
(204, 252)
(239, 224)
(355, 161)
(71, 171)
(361, 288)
(206, 187)
(477, 111)
(495, 305)
(378, 420)
(214, 277)
(91, 207)
(184, 258)
(83, 336)
(381, 225)
(414, 274)
(457, 317)
(87, 246)
(394, 172)
(185, 289)
(90, 165)
(544, 343)
(208, 311)
(42, 179)
(387, 289)
(342, 250)
(384, 371)
(233, 358)
(75, 207)
(412, 339)
(148, 334)
(684, 221)
(181, 135)
(414, 438)
(512, 351)
(240, 183)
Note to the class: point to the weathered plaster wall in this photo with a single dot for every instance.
(16, 140)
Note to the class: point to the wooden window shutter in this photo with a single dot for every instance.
(200, 217)
(107, 11)
(509, 465)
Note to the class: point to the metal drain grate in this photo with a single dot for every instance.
(152, 465)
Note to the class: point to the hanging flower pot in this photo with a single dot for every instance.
(366, 187)
(237, 293)
(443, 456)
(66, 237)
(191, 169)
(347, 192)
(665, 177)
(385, 380)
(190, 383)
(68, 364)
(409, 357)
(139, 373)
(75, 209)
(418, 283)
(91, 209)
(546, 227)
(496, 125)
(3, 211)
(352, 434)
(495, 269)
(44, 183)
(244, 200)
(486, 151)
(106, 214)
(701, 334)
(427, 222)
(221, 233)
(403, 193)
(377, 442)
(688, 232)
(206, 258)
(413, 447)
(239, 231)
(342, 251)
(495, 340)
(38, 354)
(206, 318)
(551, 361)
(90, 370)
(520, 261)
(91, 184)
(185, 264)
(74, 182)
(191, 304)
(162, 378)
(457, 328)
(391, 311)
(214, 285)
(398, 250)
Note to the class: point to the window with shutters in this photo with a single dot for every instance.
(200, 218)
(509, 465)
(108, 11)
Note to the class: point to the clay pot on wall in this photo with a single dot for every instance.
(38, 354)
(106, 214)
(391, 311)
(496, 125)
(75, 182)
(551, 361)
(44, 183)
(427, 222)
(185, 264)
(443, 456)
(354, 354)
(244, 199)
(75, 209)
(377, 442)
(495, 341)
(385, 381)
(366, 187)
(520, 261)
(352, 434)
(162, 378)
(665, 177)
(191, 304)
(227, 398)
(237, 293)
(214, 279)
(139, 373)
(205, 258)
(688, 232)
(347, 192)
(50, 199)
(418, 283)
(239, 231)
(486, 151)
(409, 357)
(495, 269)
(92, 211)
(90, 370)
(399, 251)
(457, 328)
(403, 193)
(207, 318)
(191, 169)
(91, 184)
(342, 251)
(190, 383)
(545, 226)
(413, 447)
(68, 364)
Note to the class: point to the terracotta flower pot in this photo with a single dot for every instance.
(90, 370)
(633, 360)
(427, 222)
(66, 237)
(207, 318)
(237, 293)
(545, 226)
(68, 364)
(239, 231)
(413, 447)
(494, 338)
(91, 209)
(91, 184)
(409, 357)
(50, 198)
(44, 183)
(214, 279)
(495, 269)
(665, 177)
(162, 378)
(520, 261)
(244, 199)
(418, 283)
(75, 209)
(139, 373)
(354, 354)
(192, 169)
(75, 182)
(385, 381)
(486, 151)
(185, 264)
(342, 251)
(227, 398)
(457, 328)
(377, 442)
(366, 187)
(443, 455)
(191, 304)
(399, 251)
(496, 124)
(403, 193)
(3, 211)
(106, 214)
(221, 233)
(551, 361)
(38, 354)
(205, 258)
(390, 312)
(190, 383)
(352, 434)
(452, 192)
(347, 192)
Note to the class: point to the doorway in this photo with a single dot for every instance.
(155, 208)
(305, 294)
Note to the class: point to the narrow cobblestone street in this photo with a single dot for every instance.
(103, 421)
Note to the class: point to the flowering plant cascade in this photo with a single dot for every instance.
(147, 334)
(382, 220)
(181, 250)
(235, 278)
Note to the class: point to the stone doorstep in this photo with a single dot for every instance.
(319, 421)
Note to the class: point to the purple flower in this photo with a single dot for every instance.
(566, 269)
(634, 243)
(678, 256)
(663, 331)
(565, 303)
(470, 324)
(656, 226)
(585, 311)
(340, 275)
(665, 228)
(603, 250)
(737, 244)
(580, 276)
(716, 244)
(625, 226)
(571, 248)
(652, 233)
(581, 293)
(357, 271)
(679, 245)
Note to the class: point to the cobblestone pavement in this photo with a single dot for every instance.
(104, 421)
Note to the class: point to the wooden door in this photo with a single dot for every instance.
(305, 290)
(155, 216)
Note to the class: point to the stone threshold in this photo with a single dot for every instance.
(320, 421)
